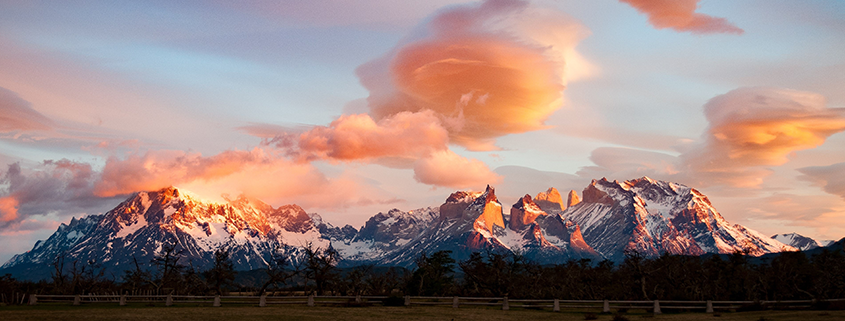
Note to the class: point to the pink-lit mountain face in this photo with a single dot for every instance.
(254, 232)
(611, 218)
(652, 217)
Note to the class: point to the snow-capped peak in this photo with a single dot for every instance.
(798, 241)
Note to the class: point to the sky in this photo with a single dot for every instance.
(350, 108)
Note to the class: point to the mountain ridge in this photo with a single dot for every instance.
(609, 220)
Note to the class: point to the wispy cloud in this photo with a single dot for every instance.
(831, 178)
(16, 114)
(680, 15)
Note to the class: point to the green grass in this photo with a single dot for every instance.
(304, 313)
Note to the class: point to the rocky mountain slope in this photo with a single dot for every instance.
(652, 217)
(609, 220)
(136, 230)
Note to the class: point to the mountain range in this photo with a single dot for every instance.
(607, 221)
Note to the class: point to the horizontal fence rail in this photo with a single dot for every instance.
(605, 306)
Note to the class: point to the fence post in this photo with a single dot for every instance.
(605, 308)
(407, 300)
(455, 302)
(217, 300)
(33, 299)
(709, 306)
(262, 302)
(557, 305)
(169, 301)
(311, 300)
(358, 298)
(505, 305)
(77, 300)
(122, 299)
(657, 307)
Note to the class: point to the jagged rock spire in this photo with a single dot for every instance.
(550, 200)
(524, 212)
(573, 199)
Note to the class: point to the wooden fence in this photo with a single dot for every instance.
(605, 306)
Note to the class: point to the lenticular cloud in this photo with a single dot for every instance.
(477, 71)
(470, 75)
(760, 126)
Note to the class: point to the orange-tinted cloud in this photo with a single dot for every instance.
(8, 209)
(751, 130)
(161, 168)
(755, 127)
(445, 168)
(405, 135)
(473, 74)
(64, 187)
(480, 76)
(257, 173)
(17, 114)
(680, 15)
(830, 178)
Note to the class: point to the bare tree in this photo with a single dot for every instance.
(320, 266)
(222, 272)
(277, 271)
(168, 269)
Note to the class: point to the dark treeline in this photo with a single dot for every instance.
(787, 276)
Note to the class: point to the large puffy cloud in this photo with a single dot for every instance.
(473, 73)
(680, 15)
(445, 168)
(475, 69)
(17, 114)
(830, 178)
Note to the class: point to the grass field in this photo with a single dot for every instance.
(304, 313)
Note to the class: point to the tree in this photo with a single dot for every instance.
(355, 281)
(168, 269)
(222, 272)
(135, 279)
(320, 266)
(434, 274)
(495, 273)
(277, 272)
(385, 283)
(830, 274)
(193, 282)
(636, 268)
(58, 274)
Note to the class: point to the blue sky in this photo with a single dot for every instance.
(208, 89)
